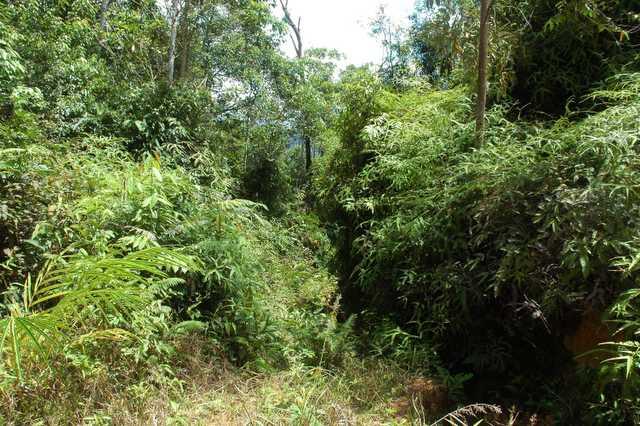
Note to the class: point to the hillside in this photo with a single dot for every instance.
(196, 228)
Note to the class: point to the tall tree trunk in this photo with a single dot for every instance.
(186, 40)
(184, 59)
(104, 7)
(483, 53)
(298, 43)
(296, 39)
(175, 5)
(307, 150)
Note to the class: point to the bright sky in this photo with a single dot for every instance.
(344, 25)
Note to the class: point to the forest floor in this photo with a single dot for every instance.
(362, 392)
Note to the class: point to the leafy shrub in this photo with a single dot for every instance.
(98, 196)
(80, 293)
(121, 233)
(567, 47)
(11, 67)
(489, 253)
(23, 202)
(263, 175)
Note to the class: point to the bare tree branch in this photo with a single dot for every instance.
(297, 42)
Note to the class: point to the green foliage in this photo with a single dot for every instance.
(143, 216)
(483, 252)
(263, 176)
(112, 226)
(567, 46)
(11, 68)
(81, 292)
(542, 54)
(618, 401)
(23, 202)
(443, 35)
(396, 64)
(10, 64)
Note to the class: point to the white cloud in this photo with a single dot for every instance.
(344, 25)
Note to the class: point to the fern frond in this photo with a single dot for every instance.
(69, 290)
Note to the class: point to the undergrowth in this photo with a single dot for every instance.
(121, 258)
(166, 256)
(491, 255)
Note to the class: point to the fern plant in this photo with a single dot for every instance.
(63, 299)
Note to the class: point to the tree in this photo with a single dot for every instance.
(186, 40)
(11, 70)
(296, 39)
(396, 62)
(442, 36)
(104, 7)
(483, 52)
(174, 14)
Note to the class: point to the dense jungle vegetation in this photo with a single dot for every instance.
(197, 229)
